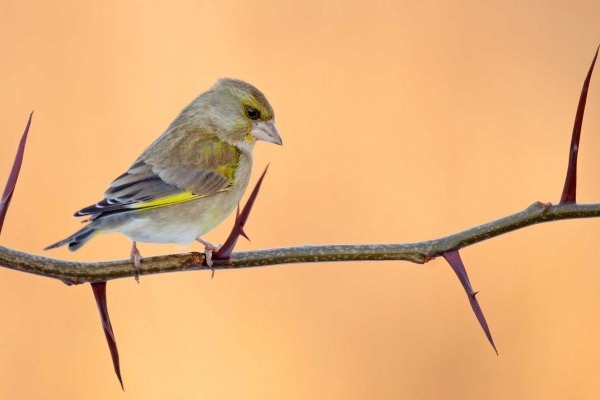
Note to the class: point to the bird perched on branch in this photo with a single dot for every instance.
(191, 178)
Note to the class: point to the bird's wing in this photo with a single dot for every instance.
(204, 167)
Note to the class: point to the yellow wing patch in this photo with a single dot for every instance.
(171, 200)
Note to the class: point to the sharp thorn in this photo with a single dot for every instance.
(244, 234)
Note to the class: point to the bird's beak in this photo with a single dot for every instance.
(267, 131)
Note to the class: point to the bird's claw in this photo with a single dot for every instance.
(209, 248)
(136, 257)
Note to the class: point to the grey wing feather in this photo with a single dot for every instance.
(197, 181)
(145, 182)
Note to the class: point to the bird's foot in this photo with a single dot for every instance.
(136, 257)
(208, 250)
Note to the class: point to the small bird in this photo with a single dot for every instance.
(190, 178)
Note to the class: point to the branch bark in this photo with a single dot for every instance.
(419, 252)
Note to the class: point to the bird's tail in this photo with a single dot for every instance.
(78, 239)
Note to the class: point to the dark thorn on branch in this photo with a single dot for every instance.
(14, 175)
(569, 193)
(99, 289)
(453, 258)
(225, 251)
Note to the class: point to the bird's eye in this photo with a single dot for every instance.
(252, 113)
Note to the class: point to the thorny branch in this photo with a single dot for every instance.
(448, 247)
(419, 252)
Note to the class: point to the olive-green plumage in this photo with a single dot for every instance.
(192, 177)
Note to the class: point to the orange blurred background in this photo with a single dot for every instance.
(402, 121)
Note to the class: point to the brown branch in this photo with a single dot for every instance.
(420, 252)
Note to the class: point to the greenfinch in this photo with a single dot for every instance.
(190, 178)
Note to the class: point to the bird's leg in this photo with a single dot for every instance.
(208, 250)
(136, 257)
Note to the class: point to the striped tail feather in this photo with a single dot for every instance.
(76, 240)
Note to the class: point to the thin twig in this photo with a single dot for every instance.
(421, 252)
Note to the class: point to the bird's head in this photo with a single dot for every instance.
(241, 114)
